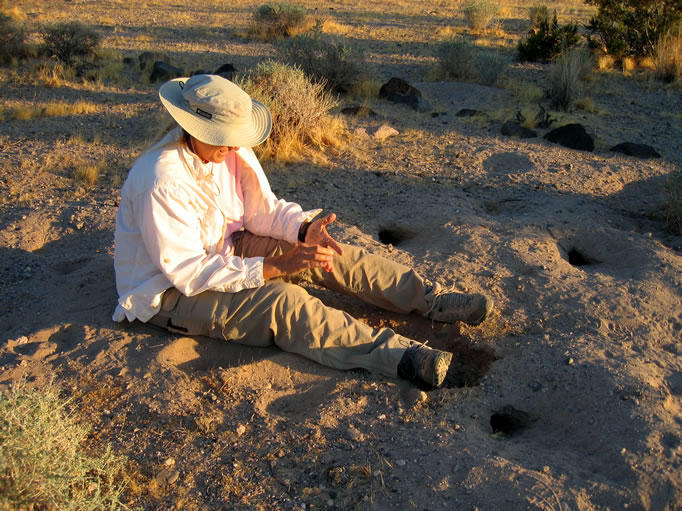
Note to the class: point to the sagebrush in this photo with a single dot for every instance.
(300, 110)
(12, 39)
(70, 40)
(278, 20)
(43, 460)
(328, 59)
(459, 59)
(479, 13)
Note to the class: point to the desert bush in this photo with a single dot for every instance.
(538, 15)
(299, 107)
(545, 42)
(673, 202)
(668, 56)
(632, 27)
(479, 13)
(326, 58)
(565, 76)
(70, 40)
(278, 20)
(43, 464)
(12, 39)
(458, 58)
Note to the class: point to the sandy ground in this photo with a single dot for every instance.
(569, 397)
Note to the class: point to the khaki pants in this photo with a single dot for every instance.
(285, 314)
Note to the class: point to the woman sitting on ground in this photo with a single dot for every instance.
(201, 242)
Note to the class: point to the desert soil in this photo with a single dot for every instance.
(569, 397)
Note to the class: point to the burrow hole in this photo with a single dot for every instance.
(510, 421)
(469, 365)
(579, 258)
(395, 235)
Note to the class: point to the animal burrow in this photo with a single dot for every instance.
(395, 235)
(509, 421)
(469, 365)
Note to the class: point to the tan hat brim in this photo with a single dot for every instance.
(210, 131)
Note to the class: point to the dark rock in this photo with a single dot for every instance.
(398, 86)
(226, 71)
(128, 61)
(359, 111)
(514, 129)
(572, 136)
(468, 112)
(148, 58)
(636, 150)
(162, 72)
(398, 90)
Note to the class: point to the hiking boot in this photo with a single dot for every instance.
(428, 365)
(473, 309)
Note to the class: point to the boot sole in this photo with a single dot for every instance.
(440, 368)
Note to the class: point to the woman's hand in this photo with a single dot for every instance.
(317, 234)
(301, 257)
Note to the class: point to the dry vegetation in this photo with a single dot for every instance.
(72, 127)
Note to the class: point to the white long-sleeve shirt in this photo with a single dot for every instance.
(175, 222)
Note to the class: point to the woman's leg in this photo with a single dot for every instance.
(371, 278)
(286, 315)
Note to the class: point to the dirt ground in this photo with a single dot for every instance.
(568, 398)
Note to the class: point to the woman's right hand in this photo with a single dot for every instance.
(301, 257)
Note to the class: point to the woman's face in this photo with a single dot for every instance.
(208, 152)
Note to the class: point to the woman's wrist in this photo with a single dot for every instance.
(303, 231)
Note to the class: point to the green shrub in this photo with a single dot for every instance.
(632, 27)
(565, 76)
(673, 202)
(459, 59)
(70, 40)
(299, 107)
(479, 13)
(12, 39)
(545, 43)
(42, 461)
(278, 20)
(326, 58)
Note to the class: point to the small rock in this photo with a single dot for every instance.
(354, 435)
(412, 396)
(22, 340)
(570, 361)
(80, 224)
(167, 476)
(573, 136)
(383, 132)
(468, 112)
(637, 150)
(170, 462)
(401, 463)
(514, 129)
(241, 429)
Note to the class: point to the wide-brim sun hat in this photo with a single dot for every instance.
(216, 111)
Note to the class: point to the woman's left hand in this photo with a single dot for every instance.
(317, 234)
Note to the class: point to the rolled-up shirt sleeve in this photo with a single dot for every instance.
(170, 229)
(264, 214)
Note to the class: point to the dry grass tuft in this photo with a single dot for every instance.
(668, 57)
(366, 88)
(300, 111)
(459, 59)
(565, 76)
(43, 462)
(87, 172)
(27, 112)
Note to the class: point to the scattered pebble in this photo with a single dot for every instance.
(570, 361)
(401, 463)
(22, 340)
(241, 429)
